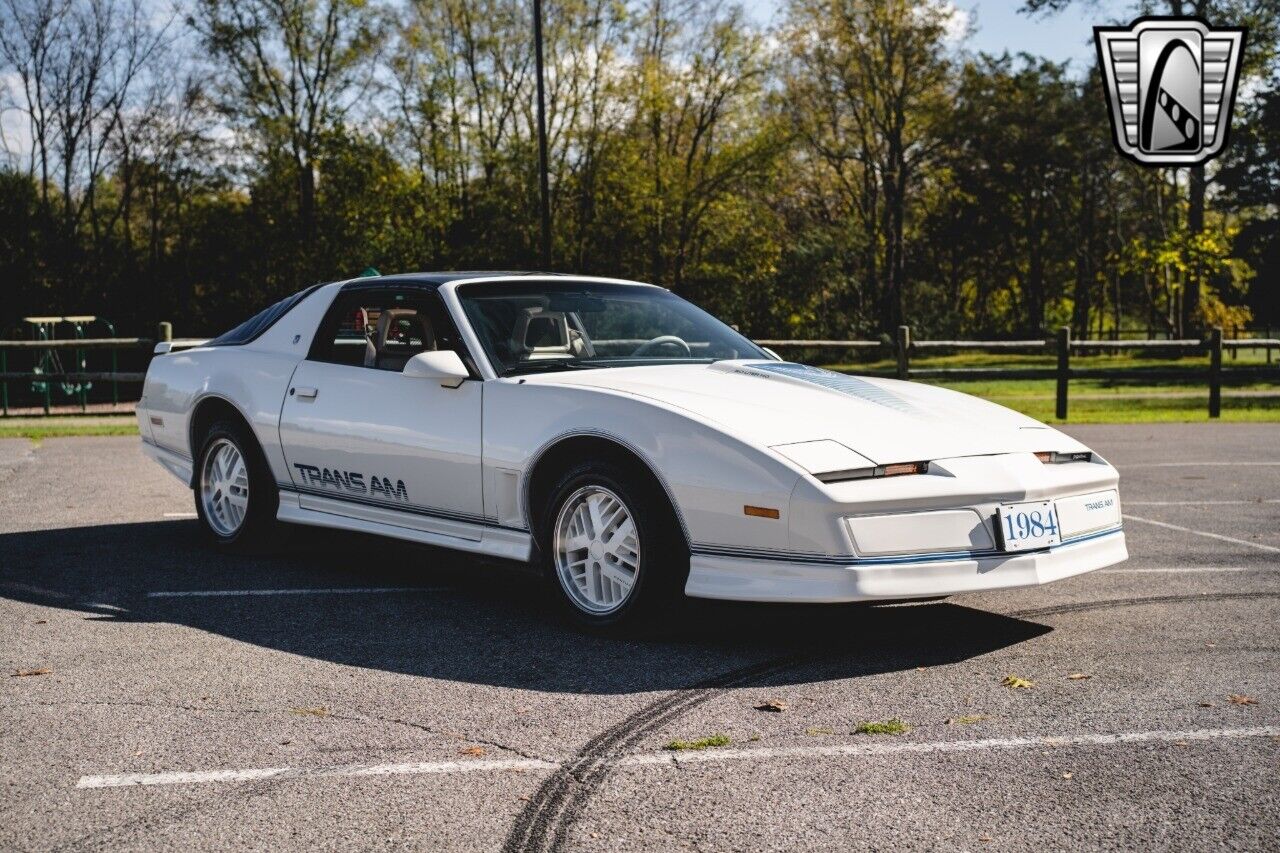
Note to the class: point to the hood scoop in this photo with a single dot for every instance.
(842, 383)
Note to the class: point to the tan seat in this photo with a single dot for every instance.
(378, 357)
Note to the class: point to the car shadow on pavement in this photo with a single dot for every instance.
(474, 621)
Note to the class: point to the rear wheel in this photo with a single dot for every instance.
(611, 546)
(236, 498)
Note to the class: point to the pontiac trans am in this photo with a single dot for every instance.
(626, 442)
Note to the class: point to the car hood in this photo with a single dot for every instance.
(773, 403)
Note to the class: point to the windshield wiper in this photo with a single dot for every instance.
(544, 367)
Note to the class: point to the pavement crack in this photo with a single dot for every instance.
(467, 736)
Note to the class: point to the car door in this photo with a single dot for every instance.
(366, 441)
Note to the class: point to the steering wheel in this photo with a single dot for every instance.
(663, 341)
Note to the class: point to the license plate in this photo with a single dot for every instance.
(1025, 527)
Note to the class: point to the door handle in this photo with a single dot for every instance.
(307, 393)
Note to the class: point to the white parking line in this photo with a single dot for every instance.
(1202, 503)
(227, 593)
(253, 774)
(179, 515)
(1268, 548)
(1195, 464)
(1184, 570)
(865, 749)
(851, 750)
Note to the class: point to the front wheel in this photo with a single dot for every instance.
(611, 547)
(236, 499)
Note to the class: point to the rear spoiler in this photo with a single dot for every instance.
(183, 343)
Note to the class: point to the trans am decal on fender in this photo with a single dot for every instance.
(352, 481)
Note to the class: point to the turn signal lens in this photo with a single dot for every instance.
(761, 512)
(1055, 458)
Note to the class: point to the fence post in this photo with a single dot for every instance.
(4, 368)
(165, 331)
(1215, 372)
(904, 347)
(1064, 370)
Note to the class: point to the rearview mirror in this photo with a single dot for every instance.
(444, 365)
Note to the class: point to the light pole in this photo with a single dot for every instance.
(543, 186)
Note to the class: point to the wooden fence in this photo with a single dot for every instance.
(902, 347)
(1061, 345)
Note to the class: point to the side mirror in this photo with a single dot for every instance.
(443, 365)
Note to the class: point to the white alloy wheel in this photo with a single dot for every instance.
(224, 487)
(597, 550)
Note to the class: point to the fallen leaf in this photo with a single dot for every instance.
(1238, 699)
(1078, 676)
(1014, 682)
(42, 621)
(310, 712)
(754, 738)
(526, 798)
(1066, 775)
(777, 706)
(984, 838)
(23, 673)
(819, 730)
(1206, 705)
(1180, 743)
(921, 668)
(967, 720)
(475, 751)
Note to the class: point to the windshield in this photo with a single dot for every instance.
(529, 326)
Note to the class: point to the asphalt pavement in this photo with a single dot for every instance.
(346, 692)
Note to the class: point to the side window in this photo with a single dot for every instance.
(382, 330)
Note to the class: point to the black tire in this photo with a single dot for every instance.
(658, 588)
(258, 526)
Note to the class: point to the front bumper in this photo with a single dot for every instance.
(806, 580)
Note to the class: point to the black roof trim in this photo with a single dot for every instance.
(434, 280)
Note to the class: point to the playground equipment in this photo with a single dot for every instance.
(48, 361)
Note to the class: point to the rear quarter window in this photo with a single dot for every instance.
(260, 322)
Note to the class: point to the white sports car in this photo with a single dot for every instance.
(632, 445)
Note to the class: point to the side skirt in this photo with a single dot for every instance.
(176, 464)
(489, 540)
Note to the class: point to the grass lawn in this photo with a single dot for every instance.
(1133, 399)
(39, 428)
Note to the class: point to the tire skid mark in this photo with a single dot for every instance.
(544, 823)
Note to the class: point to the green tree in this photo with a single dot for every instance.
(868, 84)
(295, 69)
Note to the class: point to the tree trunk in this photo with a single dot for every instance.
(1084, 260)
(1195, 226)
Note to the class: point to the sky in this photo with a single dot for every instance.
(995, 26)
(998, 26)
